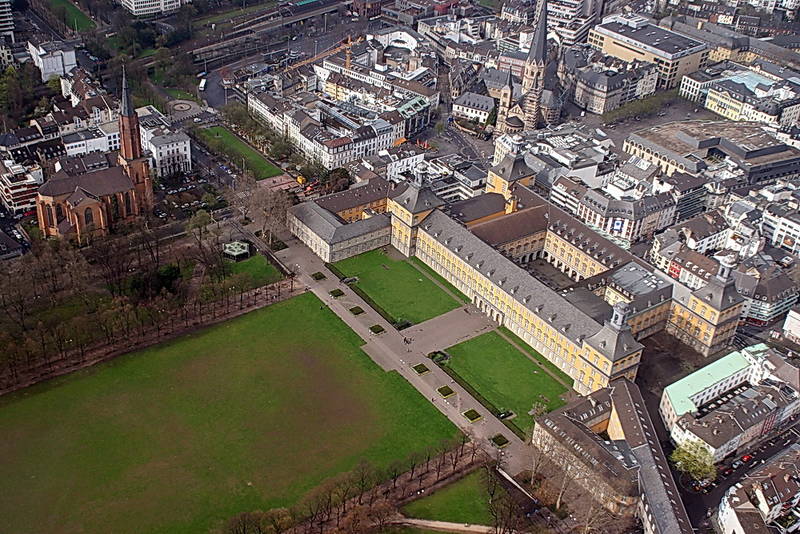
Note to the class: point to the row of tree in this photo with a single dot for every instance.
(366, 498)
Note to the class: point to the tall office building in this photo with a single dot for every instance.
(6, 21)
(572, 19)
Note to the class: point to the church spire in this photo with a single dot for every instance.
(126, 108)
(538, 51)
(130, 144)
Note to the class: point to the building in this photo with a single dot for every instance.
(170, 151)
(733, 402)
(603, 439)
(599, 89)
(151, 8)
(94, 193)
(54, 58)
(6, 21)
(632, 37)
(766, 500)
(473, 107)
(538, 105)
(696, 146)
(572, 19)
(791, 326)
(18, 186)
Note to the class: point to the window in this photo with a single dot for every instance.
(49, 214)
(59, 212)
(88, 216)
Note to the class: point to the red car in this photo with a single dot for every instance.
(747, 458)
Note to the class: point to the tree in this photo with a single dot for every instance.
(239, 196)
(694, 459)
(272, 205)
(280, 149)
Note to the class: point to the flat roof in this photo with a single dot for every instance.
(680, 392)
(655, 38)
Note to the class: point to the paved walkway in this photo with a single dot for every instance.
(390, 350)
(444, 526)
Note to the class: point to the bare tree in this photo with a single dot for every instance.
(272, 205)
(239, 194)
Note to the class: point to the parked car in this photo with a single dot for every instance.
(747, 458)
(737, 464)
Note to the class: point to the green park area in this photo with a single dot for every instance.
(73, 18)
(503, 377)
(396, 286)
(260, 270)
(222, 140)
(544, 362)
(463, 501)
(248, 415)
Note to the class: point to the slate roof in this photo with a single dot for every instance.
(98, 183)
(416, 199)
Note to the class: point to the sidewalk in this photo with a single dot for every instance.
(390, 351)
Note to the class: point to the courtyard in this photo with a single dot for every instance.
(505, 377)
(463, 501)
(181, 436)
(392, 283)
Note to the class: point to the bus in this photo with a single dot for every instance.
(202, 84)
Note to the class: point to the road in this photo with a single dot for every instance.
(699, 505)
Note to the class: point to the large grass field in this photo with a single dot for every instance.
(259, 268)
(223, 140)
(74, 18)
(397, 287)
(464, 501)
(247, 415)
(504, 376)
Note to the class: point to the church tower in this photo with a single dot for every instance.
(136, 166)
(533, 76)
(506, 97)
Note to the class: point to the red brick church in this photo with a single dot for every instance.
(91, 194)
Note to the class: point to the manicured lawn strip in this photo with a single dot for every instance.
(446, 391)
(220, 139)
(250, 414)
(259, 268)
(472, 415)
(419, 263)
(538, 357)
(504, 376)
(421, 369)
(396, 287)
(463, 501)
(74, 17)
(499, 441)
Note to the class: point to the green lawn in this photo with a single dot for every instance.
(504, 376)
(538, 357)
(250, 414)
(74, 18)
(422, 265)
(223, 140)
(397, 287)
(464, 501)
(180, 94)
(259, 268)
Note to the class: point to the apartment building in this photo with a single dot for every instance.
(152, 8)
(766, 500)
(733, 402)
(18, 186)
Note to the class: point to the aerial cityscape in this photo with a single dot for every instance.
(399, 266)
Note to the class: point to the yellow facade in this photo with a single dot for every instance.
(722, 103)
(589, 368)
